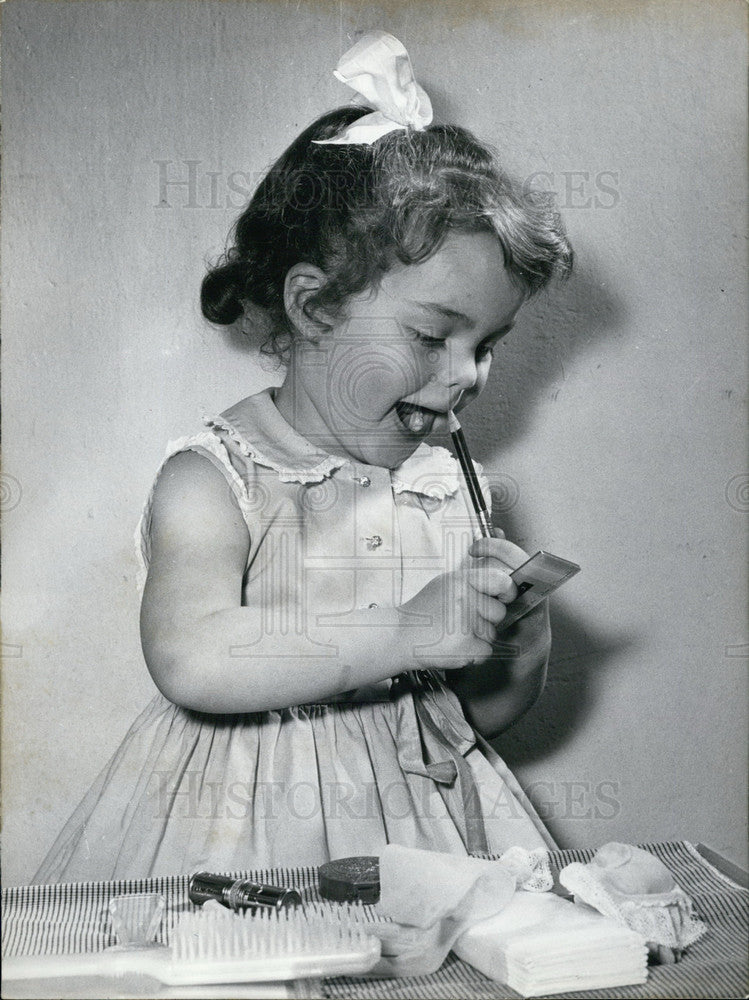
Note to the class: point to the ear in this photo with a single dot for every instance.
(301, 283)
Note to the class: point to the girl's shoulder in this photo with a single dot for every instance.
(191, 478)
(254, 433)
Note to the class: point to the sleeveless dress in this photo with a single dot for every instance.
(396, 762)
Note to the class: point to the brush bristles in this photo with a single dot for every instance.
(224, 935)
(223, 947)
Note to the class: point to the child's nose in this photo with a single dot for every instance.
(462, 372)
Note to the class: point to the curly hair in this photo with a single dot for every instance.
(357, 210)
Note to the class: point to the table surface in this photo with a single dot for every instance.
(66, 918)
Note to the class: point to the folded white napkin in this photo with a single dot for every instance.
(540, 944)
(434, 897)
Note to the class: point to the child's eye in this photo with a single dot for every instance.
(485, 351)
(424, 338)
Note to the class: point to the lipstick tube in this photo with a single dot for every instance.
(240, 893)
(483, 517)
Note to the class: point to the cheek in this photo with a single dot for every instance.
(405, 376)
(402, 371)
(369, 380)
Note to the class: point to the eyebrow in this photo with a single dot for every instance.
(445, 311)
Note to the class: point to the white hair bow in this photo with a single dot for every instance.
(379, 68)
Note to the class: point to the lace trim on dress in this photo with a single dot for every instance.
(432, 472)
(315, 474)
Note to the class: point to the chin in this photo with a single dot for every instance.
(385, 443)
(388, 452)
(387, 456)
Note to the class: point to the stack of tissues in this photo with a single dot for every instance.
(540, 943)
(502, 918)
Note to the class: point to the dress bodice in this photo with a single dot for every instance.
(328, 535)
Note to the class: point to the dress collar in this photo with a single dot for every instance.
(258, 429)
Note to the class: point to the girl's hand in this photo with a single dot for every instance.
(463, 610)
(497, 690)
(532, 630)
(506, 554)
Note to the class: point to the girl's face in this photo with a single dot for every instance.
(383, 377)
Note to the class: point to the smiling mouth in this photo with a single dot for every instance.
(416, 419)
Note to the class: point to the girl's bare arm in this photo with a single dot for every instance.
(496, 693)
(193, 621)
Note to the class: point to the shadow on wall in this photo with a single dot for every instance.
(577, 666)
(566, 320)
(577, 670)
(572, 319)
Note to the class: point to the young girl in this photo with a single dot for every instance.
(325, 635)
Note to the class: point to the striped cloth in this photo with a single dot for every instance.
(53, 919)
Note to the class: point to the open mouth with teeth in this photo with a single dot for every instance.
(416, 419)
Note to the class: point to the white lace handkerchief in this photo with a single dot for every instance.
(637, 890)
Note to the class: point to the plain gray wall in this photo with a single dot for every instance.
(613, 424)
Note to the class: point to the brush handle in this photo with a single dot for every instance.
(111, 962)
